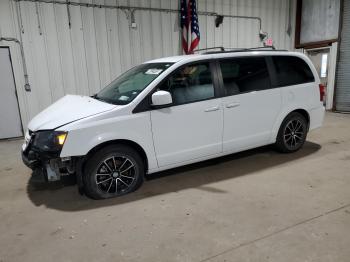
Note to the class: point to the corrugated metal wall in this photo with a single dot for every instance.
(100, 44)
(342, 89)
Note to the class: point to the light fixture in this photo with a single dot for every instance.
(218, 20)
(262, 35)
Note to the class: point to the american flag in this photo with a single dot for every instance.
(189, 26)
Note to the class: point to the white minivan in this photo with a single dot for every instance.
(175, 111)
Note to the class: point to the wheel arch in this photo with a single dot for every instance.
(304, 113)
(125, 142)
(283, 116)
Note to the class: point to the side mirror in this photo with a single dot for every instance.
(161, 99)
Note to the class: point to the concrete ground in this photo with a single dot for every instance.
(254, 206)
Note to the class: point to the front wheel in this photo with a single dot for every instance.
(292, 133)
(113, 171)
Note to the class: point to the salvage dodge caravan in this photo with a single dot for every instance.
(175, 111)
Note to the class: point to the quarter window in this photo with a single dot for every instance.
(190, 84)
(291, 70)
(241, 75)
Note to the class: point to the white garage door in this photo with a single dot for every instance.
(10, 122)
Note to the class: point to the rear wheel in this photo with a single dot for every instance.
(113, 171)
(292, 133)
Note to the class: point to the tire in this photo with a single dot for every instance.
(292, 133)
(113, 171)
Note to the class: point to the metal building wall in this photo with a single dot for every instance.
(342, 91)
(100, 45)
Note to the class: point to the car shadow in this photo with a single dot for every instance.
(64, 195)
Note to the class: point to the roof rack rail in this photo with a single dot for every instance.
(262, 47)
(211, 48)
(233, 50)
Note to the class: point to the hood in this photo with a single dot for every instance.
(66, 110)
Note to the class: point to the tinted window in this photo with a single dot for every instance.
(241, 75)
(291, 70)
(189, 84)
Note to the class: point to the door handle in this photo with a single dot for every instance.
(215, 108)
(232, 105)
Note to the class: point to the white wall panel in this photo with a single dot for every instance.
(52, 50)
(125, 37)
(113, 40)
(90, 46)
(145, 18)
(100, 44)
(167, 32)
(210, 27)
(37, 60)
(65, 49)
(156, 27)
(78, 51)
(136, 37)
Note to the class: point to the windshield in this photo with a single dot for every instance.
(126, 87)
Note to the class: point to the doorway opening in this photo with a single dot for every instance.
(10, 119)
(320, 57)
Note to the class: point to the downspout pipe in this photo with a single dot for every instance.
(25, 71)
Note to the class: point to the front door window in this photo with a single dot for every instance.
(189, 84)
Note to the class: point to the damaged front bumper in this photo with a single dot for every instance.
(46, 166)
(44, 169)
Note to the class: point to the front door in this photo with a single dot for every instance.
(251, 105)
(10, 122)
(192, 127)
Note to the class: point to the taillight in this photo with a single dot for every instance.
(322, 92)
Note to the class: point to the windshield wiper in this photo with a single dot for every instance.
(104, 100)
(97, 98)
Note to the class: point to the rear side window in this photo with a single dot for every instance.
(291, 70)
(246, 74)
